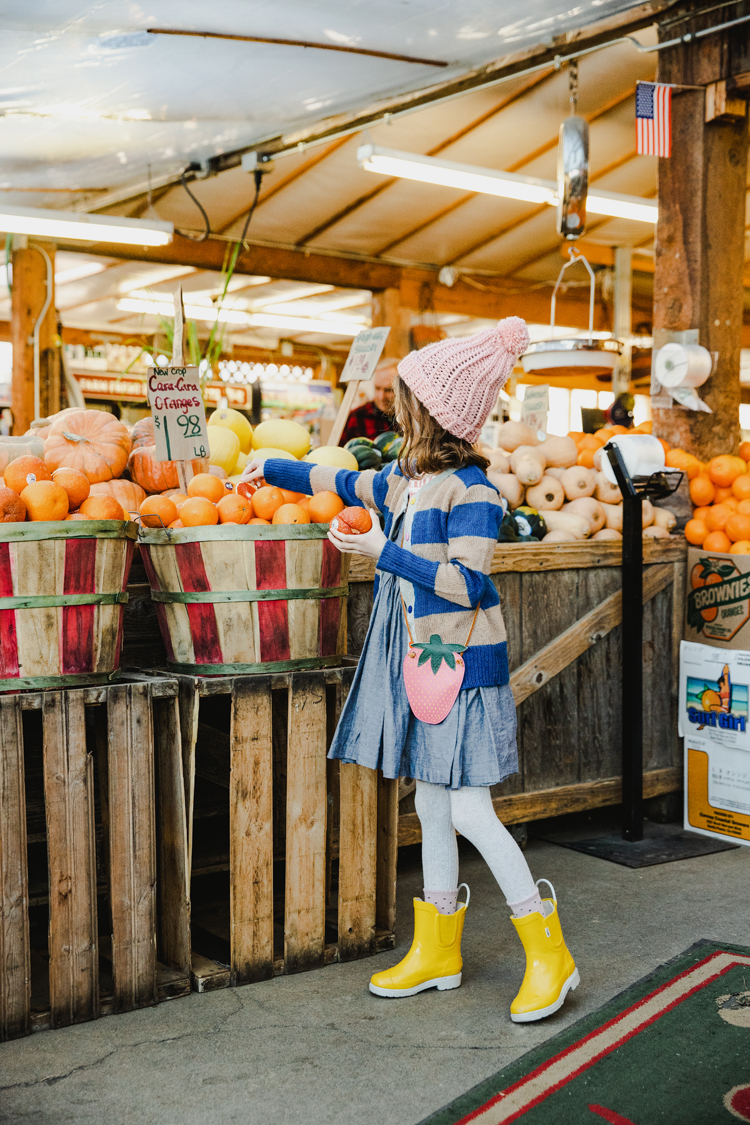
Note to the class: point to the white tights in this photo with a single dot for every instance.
(469, 811)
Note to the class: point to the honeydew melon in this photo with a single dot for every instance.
(334, 456)
(238, 423)
(224, 445)
(280, 433)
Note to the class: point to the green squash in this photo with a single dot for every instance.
(382, 441)
(530, 524)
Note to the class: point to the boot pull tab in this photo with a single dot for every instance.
(468, 894)
(554, 896)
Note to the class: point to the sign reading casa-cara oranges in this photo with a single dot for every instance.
(174, 395)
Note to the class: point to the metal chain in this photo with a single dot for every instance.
(573, 85)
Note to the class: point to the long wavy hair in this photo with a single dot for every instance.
(427, 447)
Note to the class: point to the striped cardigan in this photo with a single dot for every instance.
(454, 534)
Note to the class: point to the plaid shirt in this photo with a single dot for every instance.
(366, 421)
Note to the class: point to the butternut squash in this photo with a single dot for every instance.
(528, 465)
(552, 471)
(547, 496)
(578, 481)
(607, 533)
(613, 516)
(560, 452)
(499, 460)
(648, 513)
(509, 487)
(556, 537)
(513, 434)
(590, 509)
(664, 518)
(606, 492)
(653, 531)
(572, 525)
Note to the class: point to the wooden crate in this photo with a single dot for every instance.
(562, 606)
(93, 853)
(293, 857)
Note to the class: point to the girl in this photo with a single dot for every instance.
(434, 597)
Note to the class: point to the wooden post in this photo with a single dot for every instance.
(184, 468)
(623, 317)
(29, 296)
(700, 235)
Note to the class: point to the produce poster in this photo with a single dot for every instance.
(717, 602)
(713, 720)
(174, 395)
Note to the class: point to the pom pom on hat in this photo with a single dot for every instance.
(458, 380)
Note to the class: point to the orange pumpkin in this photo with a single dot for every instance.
(93, 441)
(128, 495)
(153, 475)
(142, 433)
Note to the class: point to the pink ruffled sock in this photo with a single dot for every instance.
(445, 901)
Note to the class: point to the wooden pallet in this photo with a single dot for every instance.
(294, 837)
(94, 908)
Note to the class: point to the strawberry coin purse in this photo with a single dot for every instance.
(433, 674)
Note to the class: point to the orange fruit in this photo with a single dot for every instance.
(604, 434)
(323, 506)
(25, 470)
(702, 489)
(716, 520)
(644, 428)
(44, 499)
(717, 541)
(249, 487)
(722, 495)
(76, 516)
(696, 532)
(676, 458)
(75, 483)
(291, 497)
(744, 507)
(738, 527)
(158, 511)
(176, 524)
(741, 487)
(724, 470)
(352, 521)
(103, 508)
(701, 513)
(664, 444)
(291, 513)
(741, 547)
(590, 441)
(208, 486)
(177, 498)
(586, 458)
(12, 507)
(235, 509)
(266, 501)
(256, 519)
(745, 451)
(305, 503)
(197, 511)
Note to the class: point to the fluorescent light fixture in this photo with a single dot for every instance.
(77, 273)
(247, 320)
(46, 223)
(510, 185)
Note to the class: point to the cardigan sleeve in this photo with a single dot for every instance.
(364, 490)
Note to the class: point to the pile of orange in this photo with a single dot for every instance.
(210, 500)
(32, 492)
(587, 444)
(720, 492)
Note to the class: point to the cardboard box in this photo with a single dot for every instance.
(717, 599)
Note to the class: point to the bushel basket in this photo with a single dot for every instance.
(235, 599)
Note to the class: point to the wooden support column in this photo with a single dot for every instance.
(387, 311)
(28, 299)
(700, 236)
(623, 317)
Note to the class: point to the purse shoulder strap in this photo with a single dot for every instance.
(411, 639)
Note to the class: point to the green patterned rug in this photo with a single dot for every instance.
(674, 1049)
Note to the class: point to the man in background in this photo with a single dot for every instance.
(373, 418)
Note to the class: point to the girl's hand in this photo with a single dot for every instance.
(370, 544)
(253, 471)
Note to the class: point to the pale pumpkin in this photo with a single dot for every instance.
(153, 475)
(12, 447)
(128, 495)
(93, 441)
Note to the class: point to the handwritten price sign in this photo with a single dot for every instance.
(179, 414)
(364, 355)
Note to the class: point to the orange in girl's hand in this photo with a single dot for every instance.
(702, 489)
(291, 513)
(25, 470)
(12, 507)
(234, 509)
(197, 511)
(696, 532)
(323, 506)
(352, 521)
(75, 483)
(158, 511)
(738, 527)
(266, 501)
(716, 520)
(208, 486)
(45, 500)
(717, 541)
(103, 508)
(256, 519)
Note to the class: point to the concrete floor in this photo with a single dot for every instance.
(318, 1048)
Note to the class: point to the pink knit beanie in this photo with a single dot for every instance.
(458, 380)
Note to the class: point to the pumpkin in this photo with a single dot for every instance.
(128, 495)
(93, 441)
(153, 475)
(12, 447)
(143, 433)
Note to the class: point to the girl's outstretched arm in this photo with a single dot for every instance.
(365, 490)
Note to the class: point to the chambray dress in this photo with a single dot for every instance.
(474, 745)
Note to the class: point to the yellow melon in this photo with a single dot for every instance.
(264, 454)
(280, 433)
(224, 445)
(236, 422)
(334, 456)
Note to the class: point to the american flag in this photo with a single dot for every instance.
(653, 119)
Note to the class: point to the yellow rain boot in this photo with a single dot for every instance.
(434, 960)
(550, 970)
